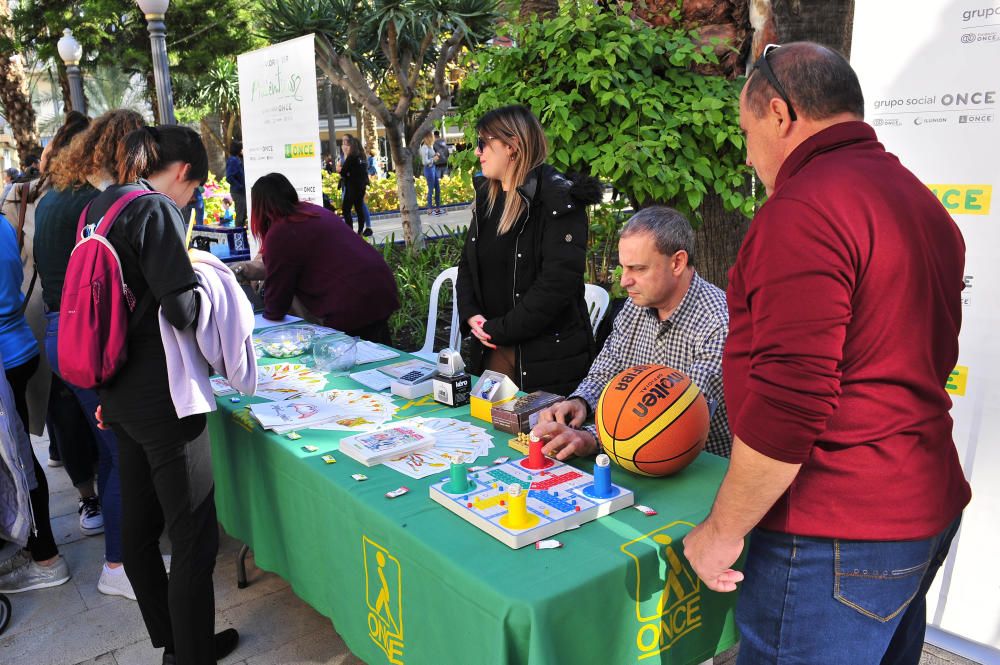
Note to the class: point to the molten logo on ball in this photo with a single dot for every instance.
(652, 420)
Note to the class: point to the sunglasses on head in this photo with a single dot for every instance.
(768, 73)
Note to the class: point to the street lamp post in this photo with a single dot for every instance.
(70, 51)
(155, 10)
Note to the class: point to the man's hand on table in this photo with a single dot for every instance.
(712, 555)
(557, 427)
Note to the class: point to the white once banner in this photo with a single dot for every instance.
(928, 69)
(280, 116)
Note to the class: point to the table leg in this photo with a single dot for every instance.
(241, 567)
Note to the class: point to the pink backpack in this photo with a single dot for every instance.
(95, 305)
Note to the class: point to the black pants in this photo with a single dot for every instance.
(166, 474)
(240, 202)
(70, 431)
(41, 543)
(354, 198)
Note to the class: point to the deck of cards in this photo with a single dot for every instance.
(454, 441)
(383, 444)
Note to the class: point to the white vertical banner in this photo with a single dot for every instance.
(928, 69)
(280, 116)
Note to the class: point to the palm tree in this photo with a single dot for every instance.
(14, 98)
(537, 9)
(357, 41)
(219, 90)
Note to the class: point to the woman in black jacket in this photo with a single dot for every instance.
(520, 279)
(354, 180)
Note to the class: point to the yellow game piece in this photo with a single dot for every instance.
(517, 516)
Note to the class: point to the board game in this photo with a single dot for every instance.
(519, 505)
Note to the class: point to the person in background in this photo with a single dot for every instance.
(845, 305)
(40, 565)
(443, 153)
(9, 176)
(328, 164)
(429, 160)
(228, 218)
(520, 289)
(166, 466)
(78, 174)
(30, 169)
(319, 269)
(354, 182)
(372, 164)
(237, 181)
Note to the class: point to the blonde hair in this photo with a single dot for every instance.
(94, 150)
(516, 127)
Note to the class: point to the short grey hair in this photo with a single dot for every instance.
(671, 231)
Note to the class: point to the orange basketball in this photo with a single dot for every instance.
(652, 420)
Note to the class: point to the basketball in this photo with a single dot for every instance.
(652, 420)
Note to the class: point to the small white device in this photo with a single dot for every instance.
(450, 362)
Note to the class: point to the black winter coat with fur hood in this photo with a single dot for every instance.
(547, 323)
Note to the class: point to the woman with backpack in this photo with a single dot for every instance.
(165, 461)
(78, 174)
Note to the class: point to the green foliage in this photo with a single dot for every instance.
(113, 33)
(619, 100)
(415, 273)
(382, 193)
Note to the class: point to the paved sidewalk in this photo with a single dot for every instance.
(74, 624)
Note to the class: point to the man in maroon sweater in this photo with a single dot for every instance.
(845, 309)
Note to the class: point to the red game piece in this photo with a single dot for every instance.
(536, 460)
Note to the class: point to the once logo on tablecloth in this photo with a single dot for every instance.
(384, 596)
(668, 592)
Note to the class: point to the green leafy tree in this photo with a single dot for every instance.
(619, 100)
(357, 41)
(113, 33)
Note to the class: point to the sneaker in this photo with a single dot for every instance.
(32, 575)
(166, 562)
(367, 232)
(19, 558)
(91, 519)
(115, 583)
(54, 462)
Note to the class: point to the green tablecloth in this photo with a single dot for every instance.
(406, 581)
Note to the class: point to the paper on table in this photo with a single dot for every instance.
(369, 352)
(373, 379)
(259, 322)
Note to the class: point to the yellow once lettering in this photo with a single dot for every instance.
(395, 652)
(964, 199)
(694, 609)
(679, 628)
(650, 630)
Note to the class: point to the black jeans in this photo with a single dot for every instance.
(354, 198)
(41, 543)
(166, 474)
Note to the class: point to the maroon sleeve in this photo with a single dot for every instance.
(282, 271)
(799, 274)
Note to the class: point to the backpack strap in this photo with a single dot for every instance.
(111, 216)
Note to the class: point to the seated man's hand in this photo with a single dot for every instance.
(570, 412)
(564, 441)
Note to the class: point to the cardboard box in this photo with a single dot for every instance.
(520, 415)
(491, 389)
(453, 390)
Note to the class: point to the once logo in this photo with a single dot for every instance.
(672, 591)
(300, 150)
(384, 597)
(964, 199)
(957, 381)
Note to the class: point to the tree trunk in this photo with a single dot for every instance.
(405, 187)
(331, 118)
(828, 22)
(370, 133)
(213, 146)
(718, 240)
(541, 8)
(14, 98)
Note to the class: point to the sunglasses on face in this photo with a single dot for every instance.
(768, 73)
(482, 142)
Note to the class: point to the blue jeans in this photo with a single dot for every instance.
(433, 185)
(108, 480)
(816, 601)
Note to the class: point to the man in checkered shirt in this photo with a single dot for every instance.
(673, 317)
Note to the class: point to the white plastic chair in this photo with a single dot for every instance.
(597, 303)
(427, 351)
